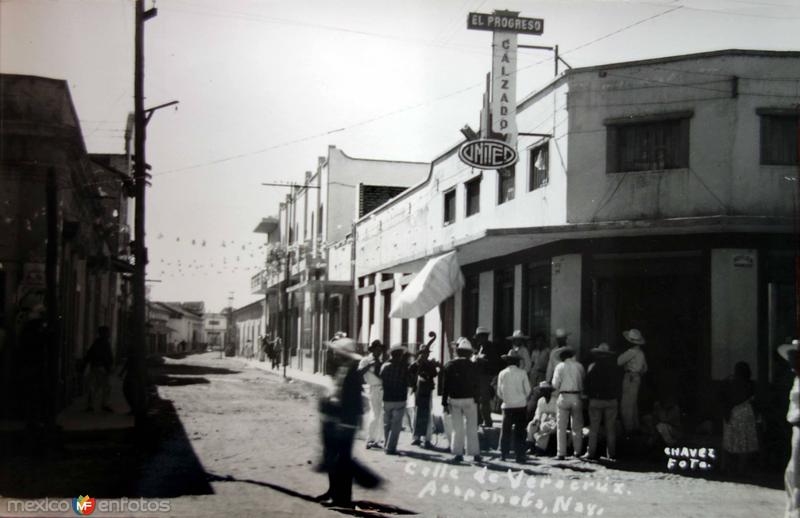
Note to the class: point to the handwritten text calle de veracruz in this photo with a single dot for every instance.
(545, 494)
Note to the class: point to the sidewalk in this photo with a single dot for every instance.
(75, 417)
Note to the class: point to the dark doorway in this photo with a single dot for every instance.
(666, 300)
(503, 308)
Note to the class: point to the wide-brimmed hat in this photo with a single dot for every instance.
(785, 349)
(345, 347)
(602, 349)
(517, 335)
(545, 385)
(463, 344)
(482, 331)
(397, 347)
(511, 355)
(376, 344)
(561, 333)
(634, 336)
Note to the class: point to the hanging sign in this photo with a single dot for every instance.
(504, 86)
(503, 22)
(487, 154)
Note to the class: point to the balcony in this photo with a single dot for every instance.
(264, 280)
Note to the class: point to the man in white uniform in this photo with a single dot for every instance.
(634, 364)
(370, 368)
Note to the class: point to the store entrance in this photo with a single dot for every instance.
(666, 300)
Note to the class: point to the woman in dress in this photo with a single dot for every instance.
(739, 434)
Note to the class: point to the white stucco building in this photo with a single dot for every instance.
(313, 225)
(656, 194)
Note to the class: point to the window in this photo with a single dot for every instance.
(449, 206)
(778, 137)
(653, 143)
(473, 195)
(213, 322)
(505, 185)
(538, 166)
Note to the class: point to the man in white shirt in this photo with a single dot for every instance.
(555, 353)
(634, 364)
(568, 381)
(513, 387)
(370, 368)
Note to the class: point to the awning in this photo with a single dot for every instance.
(438, 279)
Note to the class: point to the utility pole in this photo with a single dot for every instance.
(229, 333)
(136, 380)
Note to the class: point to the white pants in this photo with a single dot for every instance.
(375, 427)
(569, 409)
(792, 477)
(629, 404)
(461, 410)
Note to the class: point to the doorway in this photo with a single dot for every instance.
(666, 299)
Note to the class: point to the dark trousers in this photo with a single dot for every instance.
(338, 459)
(423, 415)
(516, 418)
(485, 410)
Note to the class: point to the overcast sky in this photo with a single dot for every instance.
(265, 86)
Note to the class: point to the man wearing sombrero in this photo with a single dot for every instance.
(634, 364)
(791, 478)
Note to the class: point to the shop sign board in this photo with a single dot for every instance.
(487, 154)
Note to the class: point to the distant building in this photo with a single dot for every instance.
(312, 229)
(183, 327)
(248, 328)
(215, 326)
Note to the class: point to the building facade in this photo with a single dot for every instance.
(248, 328)
(84, 209)
(311, 237)
(655, 195)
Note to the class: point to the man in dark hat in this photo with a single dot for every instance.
(489, 364)
(396, 380)
(513, 387)
(370, 368)
(603, 384)
(423, 374)
(460, 394)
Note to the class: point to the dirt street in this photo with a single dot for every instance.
(257, 437)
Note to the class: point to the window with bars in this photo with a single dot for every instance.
(651, 143)
(779, 135)
(473, 194)
(538, 165)
(505, 185)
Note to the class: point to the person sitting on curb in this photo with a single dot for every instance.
(543, 424)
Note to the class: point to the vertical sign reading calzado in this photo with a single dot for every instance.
(504, 85)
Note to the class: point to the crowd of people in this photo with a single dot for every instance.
(541, 391)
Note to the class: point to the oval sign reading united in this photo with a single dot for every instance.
(487, 154)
